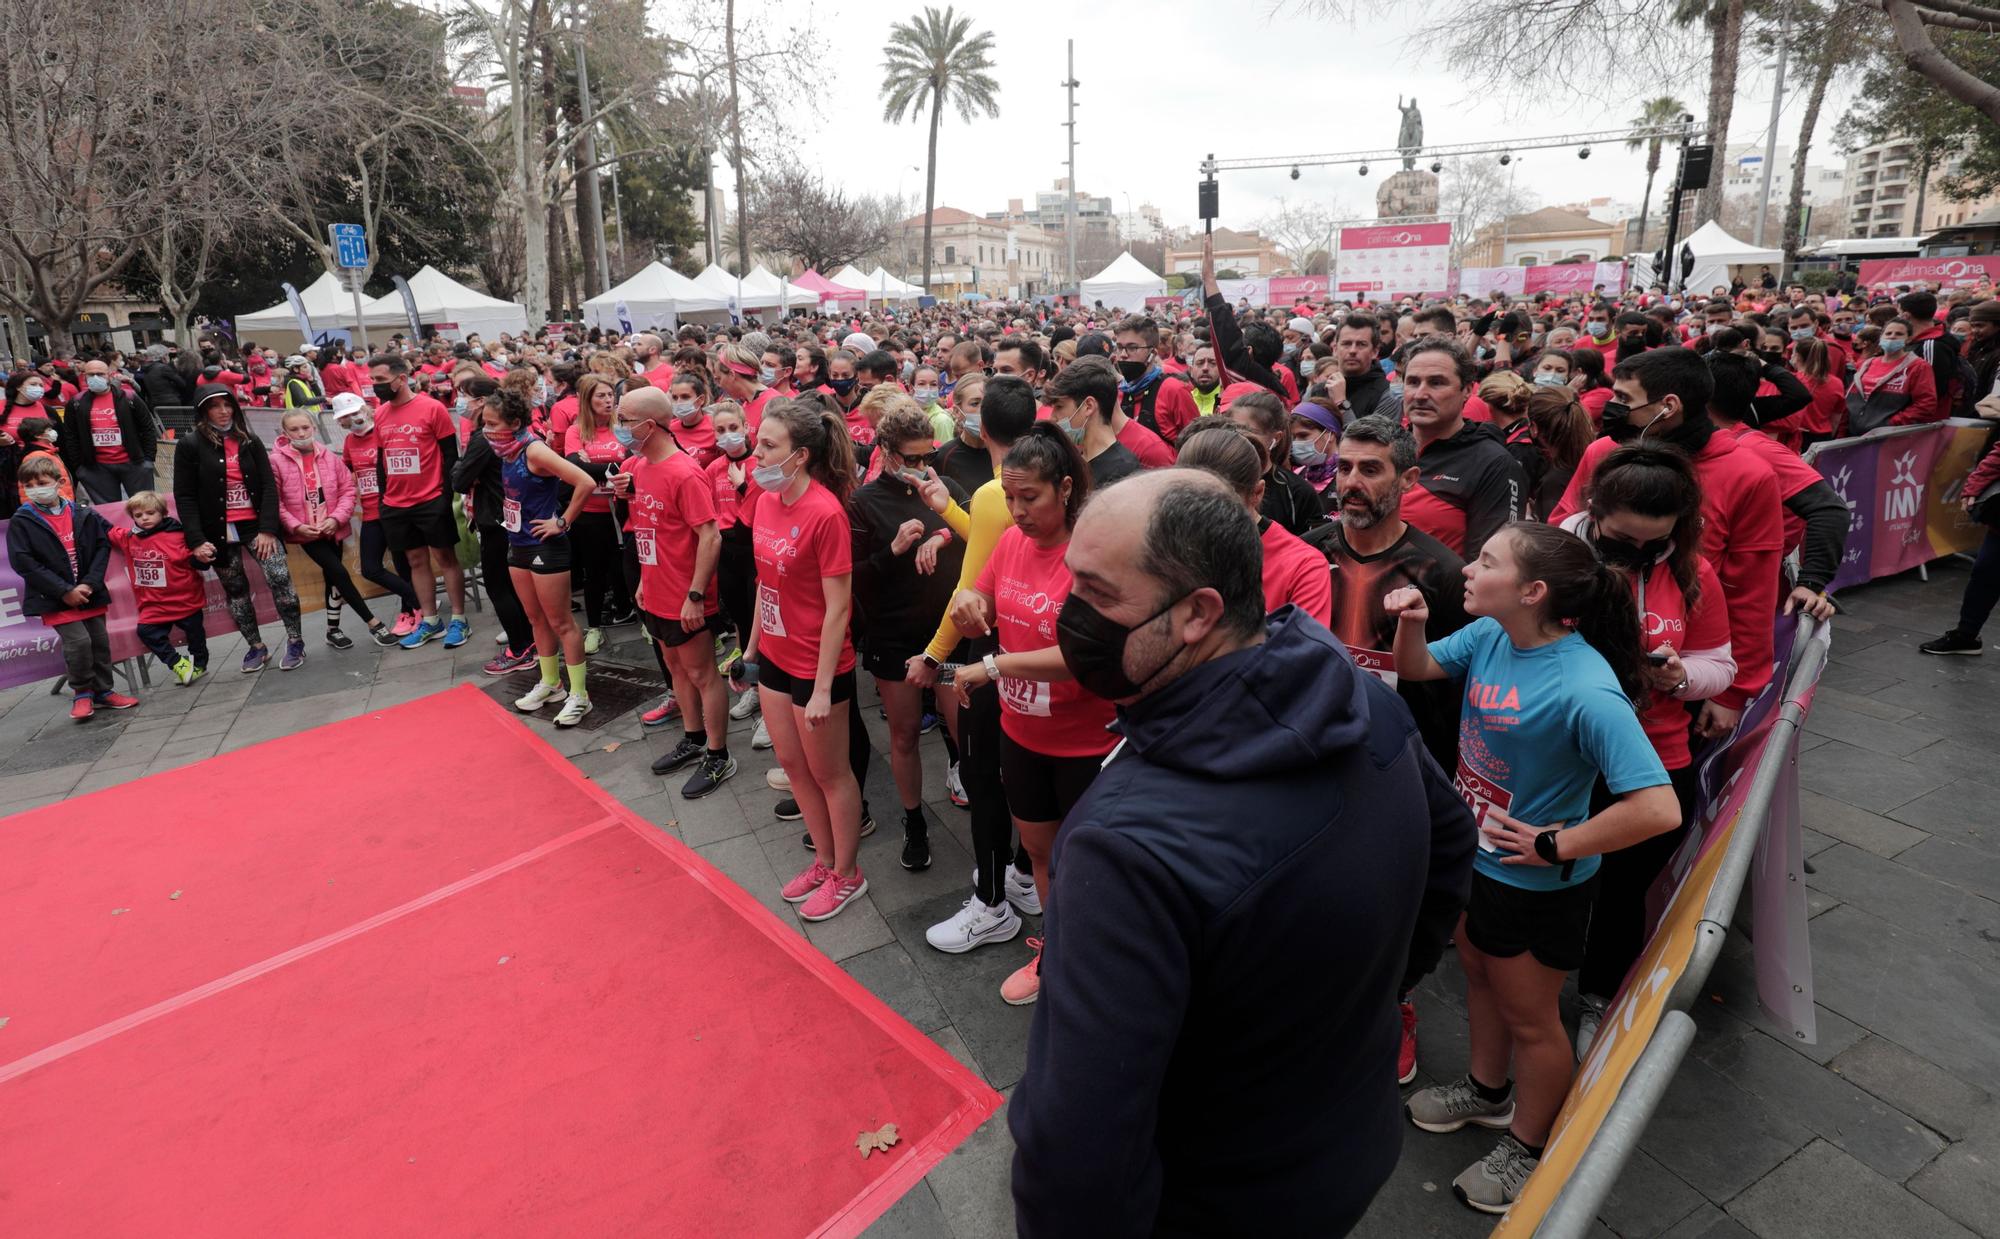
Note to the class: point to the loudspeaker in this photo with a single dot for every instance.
(1696, 161)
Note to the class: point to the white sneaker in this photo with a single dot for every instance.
(760, 738)
(540, 695)
(973, 925)
(1021, 892)
(573, 711)
(1589, 1018)
(777, 780)
(744, 706)
(954, 787)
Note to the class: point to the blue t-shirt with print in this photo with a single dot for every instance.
(1535, 729)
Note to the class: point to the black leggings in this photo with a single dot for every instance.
(1618, 919)
(979, 771)
(373, 544)
(500, 589)
(325, 553)
(736, 581)
(596, 541)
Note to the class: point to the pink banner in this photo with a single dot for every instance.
(1287, 289)
(1944, 272)
(1563, 279)
(1385, 261)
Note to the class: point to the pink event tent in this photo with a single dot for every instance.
(827, 289)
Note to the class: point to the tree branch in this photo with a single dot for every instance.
(1906, 22)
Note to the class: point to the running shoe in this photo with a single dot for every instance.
(833, 895)
(1954, 642)
(711, 774)
(1493, 1183)
(1453, 1104)
(687, 752)
(294, 657)
(954, 788)
(199, 671)
(622, 619)
(116, 701)
(660, 714)
(81, 709)
(507, 661)
(573, 710)
(540, 695)
(743, 707)
(1589, 1018)
(928, 725)
(424, 633)
(788, 811)
(916, 843)
(760, 739)
(184, 671)
(973, 925)
(725, 665)
(254, 659)
(809, 879)
(777, 780)
(867, 822)
(1024, 984)
(456, 632)
(1406, 1054)
(406, 623)
(384, 635)
(593, 640)
(338, 639)
(1021, 892)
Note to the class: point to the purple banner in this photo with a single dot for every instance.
(1902, 489)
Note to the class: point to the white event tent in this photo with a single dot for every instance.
(1716, 253)
(443, 300)
(1124, 285)
(881, 285)
(759, 290)
(657, 296)
(328, 304)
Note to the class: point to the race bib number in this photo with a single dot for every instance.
(106, 438)
(150, 576)
(400, 462)
(1376, 663)
(366, 483)
(236, 497)
(510, 515)
(642, 540)
(1480, 795)
(1029, 697)
(768, 614)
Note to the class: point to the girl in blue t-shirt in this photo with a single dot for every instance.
(1552, 668)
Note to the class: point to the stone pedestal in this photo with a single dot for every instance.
(1407, 193)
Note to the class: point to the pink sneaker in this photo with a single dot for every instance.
(406, 623)
(833, 894)
(810, 879)
(1025, 985)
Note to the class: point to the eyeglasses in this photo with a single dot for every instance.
(1135, 350)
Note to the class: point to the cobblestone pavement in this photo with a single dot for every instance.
(1884, 1128)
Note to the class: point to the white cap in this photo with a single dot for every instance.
(859, 342)
(294, 360)
(346, 404)
(1301, 325)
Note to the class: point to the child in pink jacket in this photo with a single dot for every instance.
(316, 507)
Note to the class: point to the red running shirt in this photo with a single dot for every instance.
(604, 448)
(1295, 573)
(409, 434)
(732, 509)
(797, 547)
(164, 578)
(1666, 617)
(235, 493)
(1028, 585)
(359, 452)
(105, 435)
(671, 499)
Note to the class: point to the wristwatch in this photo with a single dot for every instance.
(1545, 847)
(992, 667)
(695, 595)
(934, 663)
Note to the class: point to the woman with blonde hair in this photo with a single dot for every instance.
(593, 443)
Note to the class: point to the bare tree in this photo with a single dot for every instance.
(182, 254)
(1477, 194)
(796, 213)
(1300, 230)
(1824, 46)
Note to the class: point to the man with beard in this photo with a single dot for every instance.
(1206, 380)
(1364, 389)
(1636, 334)
(1982, 346)
(1374, 551)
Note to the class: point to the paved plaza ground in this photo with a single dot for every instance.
(1885, 1128)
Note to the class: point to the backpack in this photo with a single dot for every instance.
(1957, 383)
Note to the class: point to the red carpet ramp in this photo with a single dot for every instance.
(412, 974)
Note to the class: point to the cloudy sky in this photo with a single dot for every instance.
(1165, 83)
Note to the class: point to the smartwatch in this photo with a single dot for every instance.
(695, 595)
(992, 668)
(1545, 847)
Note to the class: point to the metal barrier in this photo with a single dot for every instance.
(1574, 1211)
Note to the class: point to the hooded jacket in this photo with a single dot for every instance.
(336, 485)
(200, 479)
(1468, 487)
(1240, 892)
(36, 555)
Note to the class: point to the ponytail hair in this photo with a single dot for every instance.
(1226, 450)
(1656, 480)
(1047, 452)
(1506, 393)
(1586, 595)
(822, 435)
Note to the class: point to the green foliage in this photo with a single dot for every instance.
(655, 194)
(1893, 102)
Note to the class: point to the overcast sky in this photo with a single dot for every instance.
(1157, 94)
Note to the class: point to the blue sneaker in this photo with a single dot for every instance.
(255, 659)
(429, 630)
(456, 632)
(295, 653)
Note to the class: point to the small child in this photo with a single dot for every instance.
(167, 584)
(60, 552)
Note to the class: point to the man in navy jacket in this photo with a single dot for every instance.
(1214, 1047)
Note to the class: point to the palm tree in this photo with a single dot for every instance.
(932, 62)
(1653, 113)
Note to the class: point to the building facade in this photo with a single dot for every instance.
(971, 253)
(1240, 250)
(1552, 234)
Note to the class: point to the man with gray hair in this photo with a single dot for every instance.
(1250, 871)
(161, 383)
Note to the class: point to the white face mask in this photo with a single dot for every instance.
(33, 392)
(44, 496)
(301, 439)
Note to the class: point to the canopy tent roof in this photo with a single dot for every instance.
(827, 289)
(441, 299)
(329, 304)
(881, 283)
(1715, 252)
(759, 289)
(1125, 284)
(655, 296)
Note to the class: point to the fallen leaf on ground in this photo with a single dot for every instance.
(505, 958)
(175, 895)
(876, 1141)
(119, 911)
(613, 746)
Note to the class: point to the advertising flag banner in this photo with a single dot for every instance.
(1944, 272)
(1385, 261)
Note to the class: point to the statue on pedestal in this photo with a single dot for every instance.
(1410, 137)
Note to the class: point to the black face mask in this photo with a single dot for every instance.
(840, 386)
(1133, 371)
(1774, 356)
(1633, 557)
(384, 391)
(1094, 648)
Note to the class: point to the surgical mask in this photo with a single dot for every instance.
(767, 376)
(33, 392)
(732, 444)
(623, 434)
(44, 496)
(926, 396)
(1803, 333)
(1307, 366)
(1712, 328)
(1093, 647)
(1304, 453)
(360, 425)
(1892, 346)
(302, 442)
(687, 411)
(383, 391)
(772, 477)
(1633, 557)
(541, 393)
(462, 406)
(970, 424)
(1842, 331)
(98, 383)
(1396, 390)
(1549, 378)
(1597, 330)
